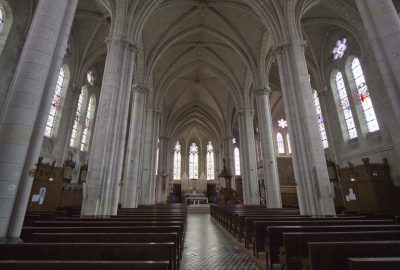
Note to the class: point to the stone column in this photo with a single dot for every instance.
(25, 114)
(149, 157)
(382, 25)
(162, 174)
(313, 186)
(103, 168)
(132, 184)
(66, 122)
(248, 161)
(130, 56)
(270, 169)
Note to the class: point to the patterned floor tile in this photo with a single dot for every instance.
(207, 246)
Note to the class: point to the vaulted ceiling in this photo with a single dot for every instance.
(201, 59)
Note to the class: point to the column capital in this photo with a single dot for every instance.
(284, 45)
(244, 110)
(263, 91)
(123, 41)
(138, 88)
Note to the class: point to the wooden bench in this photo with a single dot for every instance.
(90, 252)
(260, 228)
(295, 245)
(334, 255)
(250, 221)
(274, 239)
(381, 263)
(82, 265)
(108, 238)
(27, 232)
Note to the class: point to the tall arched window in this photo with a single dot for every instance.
(88, 123)
(2, 17)
(363, 96)
(236, 156)
(345, 106)
(59, 94)
(210, 161)
(78, 117)
(193, 161)
(90, 77)
(6, 20)
(288, 144)
(280, 143)
(177, 161)
(320, 120)
(157, 154)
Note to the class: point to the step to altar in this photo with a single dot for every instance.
(198, 208)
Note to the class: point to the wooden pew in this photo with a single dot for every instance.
(109, 238)
(90, 252)
(260, 228)
(240, 223)
(27, 232)
(82, 265)
(274, 239)
(334, 255)
(381, 263)
(295, 245)
(250, 221)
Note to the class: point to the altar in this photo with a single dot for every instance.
(195, 197)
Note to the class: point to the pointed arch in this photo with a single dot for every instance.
(210, 161)
(77, 127)
(280, 143)
(57, 103)
(193, 161)
(87, 126)
(236, 155)
(363, 96)
(343, 102)
(177, 161)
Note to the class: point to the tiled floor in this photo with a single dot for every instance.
(208, 247)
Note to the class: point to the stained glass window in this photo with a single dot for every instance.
(345, 106)
(282, 123)
(363, 96)
(55, 105)
(340, 49)
(2, 17)
(210, 161)
(236, 156)
(78, 115)
(90, 77)
(288, 144)
(280, 142)
(193, 161)
(157, 154)
(234, 141)
(87, 125)
(177, 161)
(320, 120)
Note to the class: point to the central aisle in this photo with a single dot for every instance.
(208, 247)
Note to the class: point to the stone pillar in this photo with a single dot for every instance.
(66, 122)
(227, 145)
(382, 25)
(248, 161)
(162, 174)
(25, 114)
(103, 168)
(313, 186)
(270, 169)
(132, 182)
(149, 157)
(130, 51)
